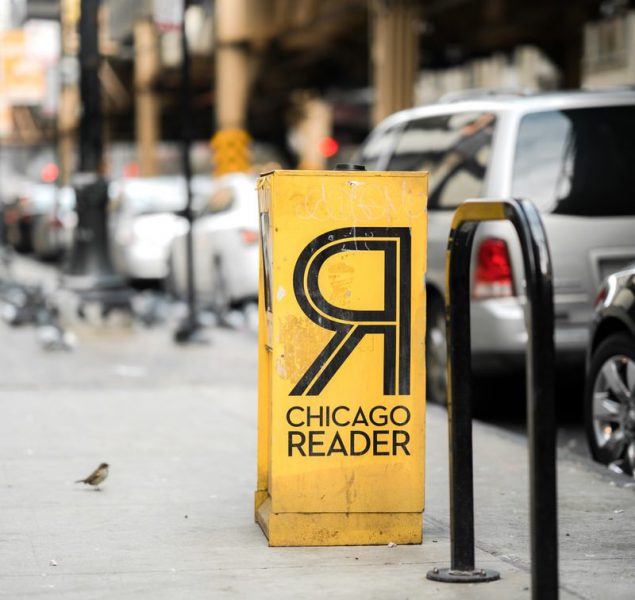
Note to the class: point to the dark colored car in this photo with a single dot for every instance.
(610, 382)
(21, 167)
(37, 204)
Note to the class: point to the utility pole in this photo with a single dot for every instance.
(69, 93)
(189, 330)
(232, 56)
(147, 109)
(395, 54)
(90, 269)
(91, 124)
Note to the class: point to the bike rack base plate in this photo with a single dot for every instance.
(454, 576)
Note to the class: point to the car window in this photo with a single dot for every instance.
(577, 162)
(454, 149)
(378, 146)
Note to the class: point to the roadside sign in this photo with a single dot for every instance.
(22, 77)
(42, 40)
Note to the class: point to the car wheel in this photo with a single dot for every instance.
(436, 351)
(610, 403)
(24, 244)
(220, 294)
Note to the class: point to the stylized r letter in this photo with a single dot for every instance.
(350, 326)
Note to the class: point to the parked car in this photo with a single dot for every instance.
(572, 155)
(225, 240)
(23, 164)
(145, 214)
(17, 222)
(610, 383)
(21, 167)
(35, 204)
(52, 230)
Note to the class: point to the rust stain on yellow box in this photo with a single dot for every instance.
(341, 359)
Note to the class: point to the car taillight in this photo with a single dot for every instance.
(601, 297)
(50, 173)
(493, 274)
(249, 236)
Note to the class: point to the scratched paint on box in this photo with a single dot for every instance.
(346, 393)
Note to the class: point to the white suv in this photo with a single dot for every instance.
(572, 154)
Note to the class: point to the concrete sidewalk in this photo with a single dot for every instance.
(175, 517)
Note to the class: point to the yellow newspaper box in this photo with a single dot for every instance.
(341, 357)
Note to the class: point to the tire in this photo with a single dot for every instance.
(608, 407)
(436, 351)
(24, 243)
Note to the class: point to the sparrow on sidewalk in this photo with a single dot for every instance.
(97, 476)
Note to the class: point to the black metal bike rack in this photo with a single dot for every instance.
(541, 421)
